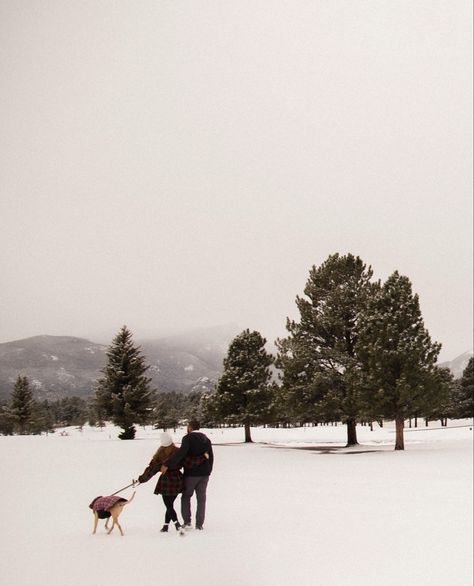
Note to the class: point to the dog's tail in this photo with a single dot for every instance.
(130, 499)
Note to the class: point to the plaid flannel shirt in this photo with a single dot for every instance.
(171, 482)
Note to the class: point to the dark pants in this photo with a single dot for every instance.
(170, 514)
(191, 484)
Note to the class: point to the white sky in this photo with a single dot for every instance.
(176, 164)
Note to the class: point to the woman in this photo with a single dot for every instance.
(170, 484)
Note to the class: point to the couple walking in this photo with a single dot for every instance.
(196, 458)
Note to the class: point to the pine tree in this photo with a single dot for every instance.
(41, 418)
(7, 426)
(168, 410)
(442, 387)
(21, 407)
(465, 407)
(320, 370)
(398, 357)
(242, 394)
(194, 408)
(72, 411)
(123, 394)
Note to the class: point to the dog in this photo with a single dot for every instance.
(105, 507)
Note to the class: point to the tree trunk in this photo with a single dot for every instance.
(416, 421)
(351, 432)
(399, 440)
(248, 437)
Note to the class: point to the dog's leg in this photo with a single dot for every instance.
(115, 512)
(96, 520)
(115, 522)
(119, 526)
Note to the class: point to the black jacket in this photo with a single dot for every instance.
(193, 444)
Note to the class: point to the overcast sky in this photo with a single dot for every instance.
(177, 164)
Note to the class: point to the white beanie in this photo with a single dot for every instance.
(165, 439)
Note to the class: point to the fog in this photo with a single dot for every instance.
(178, 164)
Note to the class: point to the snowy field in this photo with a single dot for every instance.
(295, 508)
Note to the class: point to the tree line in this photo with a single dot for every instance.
(359, 352)
(23, 415)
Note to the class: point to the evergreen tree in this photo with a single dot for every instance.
(208, 407)
(123, 394)
(442, 386)
(168, 410)
(242, 394)
(465, 407)
(22, 405)
(42, 418)
(320, 369)
(96, 415)
(194, 408)
(72, 411)
(398, 357)
(7, 426)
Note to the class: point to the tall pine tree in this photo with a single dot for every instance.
(398, 357)
(320, 370)
(123, 394)
(22, 405)
(242, 394)
(465, 408)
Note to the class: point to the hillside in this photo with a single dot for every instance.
(57, 366)
(61, 366)
(187, 362)
(459, 363)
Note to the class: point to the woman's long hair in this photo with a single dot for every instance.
(164, 452)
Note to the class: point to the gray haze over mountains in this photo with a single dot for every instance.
(61, 366)
(173, 165)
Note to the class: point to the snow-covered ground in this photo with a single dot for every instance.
(295, 508)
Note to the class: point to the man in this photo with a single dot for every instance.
(196, 477)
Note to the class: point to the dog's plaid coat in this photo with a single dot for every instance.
(104, 503)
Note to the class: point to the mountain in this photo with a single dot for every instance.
(62, 366)
(458, 365)
(190, 361)
(57, 366)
